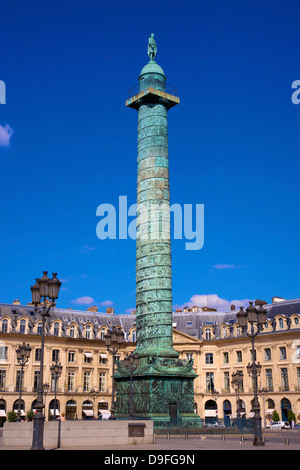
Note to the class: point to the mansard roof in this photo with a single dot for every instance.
(191, 323)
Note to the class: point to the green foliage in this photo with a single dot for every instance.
(291, 416)
(11, 416)
(275, 416)
(29, 415)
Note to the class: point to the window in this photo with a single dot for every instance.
(269, 380)
(280, 323)
(189, 356)
(36, 380)
(56, 329)
(298, 351)
(87, 381)
(88, 332)
(224, 330)
(189, 323)
(55, 355)
(3, 353)
(298, 378)
(133, 336)
(282, 353)
(2, 380)
(39, 328)
(4, 326)
(37, 354)
(102, 381)
(284, 379)
(22, 326)
(267, 354)
(88, 358)
(225, 358)
(208, 333)
(71, 381)
(296, 320)
(226, 382)
(239, 356)
(18, 381)
(209, 358)
(102, 333)
(72, 331)
(71, 356)
(210, 382)
(102, 358)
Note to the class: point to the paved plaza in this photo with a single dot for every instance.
(274, 440)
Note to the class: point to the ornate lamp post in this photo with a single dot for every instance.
(236, 382)
(45, 288)
(256, 318)
(113, 340)
(131, 363)
(46, 388)
(23, 354)
(56, 370)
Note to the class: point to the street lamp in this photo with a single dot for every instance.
(23, 354)
(131, 363)
(256, 318)
(44, 288)
(113, 340)
(56, 370)
(237, 381)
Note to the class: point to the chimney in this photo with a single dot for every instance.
(92, 309)
(110, 310)
(259, 302)
(232, 307)
(16, 302)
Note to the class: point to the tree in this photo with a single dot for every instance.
(275, 416)
(291, 416)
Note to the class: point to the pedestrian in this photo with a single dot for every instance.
(293, 424)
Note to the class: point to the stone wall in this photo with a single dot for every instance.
(77, 434)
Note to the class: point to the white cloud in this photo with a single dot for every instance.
(5, 134)
(228, 266)
(86, 300)
(213, 300)
(107, 303)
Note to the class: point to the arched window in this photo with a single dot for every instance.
(102, 333)
(56, 329)
(39, 328)
(72, 331)
(88, 331)
(4, 326)
(22, 326)
(208, 333)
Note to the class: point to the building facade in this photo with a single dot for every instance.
(210, 338)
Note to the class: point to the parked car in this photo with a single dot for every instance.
(214, 424)
(278, 425)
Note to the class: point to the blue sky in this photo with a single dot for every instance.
(233, 144)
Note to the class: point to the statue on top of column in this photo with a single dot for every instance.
(152, 47)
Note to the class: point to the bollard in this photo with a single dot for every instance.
(287, 441)
(186, 437)
(154, 438)
(242, 438)
(168, 437)
(223, 437)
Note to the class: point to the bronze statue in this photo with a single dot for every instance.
(152, 47)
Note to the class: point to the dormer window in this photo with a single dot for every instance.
(56, 329)
(22, 326)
